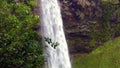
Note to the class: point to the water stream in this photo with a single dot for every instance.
(52, 28)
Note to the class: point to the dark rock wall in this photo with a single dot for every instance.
(82, 23)
(78, 17)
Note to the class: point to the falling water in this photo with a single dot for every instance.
(52, 27)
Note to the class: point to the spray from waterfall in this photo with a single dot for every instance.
(52, 29)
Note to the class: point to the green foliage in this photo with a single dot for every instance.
(109, 22)
(20, 45)
(110, 13)
(106, 56)
(111, 1)
(54, 45)
(49, 41)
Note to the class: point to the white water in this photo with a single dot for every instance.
(52, 27)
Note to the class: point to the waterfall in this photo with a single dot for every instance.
(52, 28)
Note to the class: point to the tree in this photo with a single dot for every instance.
(20, 45)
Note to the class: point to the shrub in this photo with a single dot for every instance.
(20, 45)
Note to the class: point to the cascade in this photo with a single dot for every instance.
(52, 28)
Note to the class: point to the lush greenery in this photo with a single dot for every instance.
(20, 45)
(106, 56)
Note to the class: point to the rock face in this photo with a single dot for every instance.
(78, 20)
(82, 23)
(80, 14)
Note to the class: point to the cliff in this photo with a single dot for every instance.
(89, 23)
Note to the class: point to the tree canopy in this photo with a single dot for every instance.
(20, 45)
